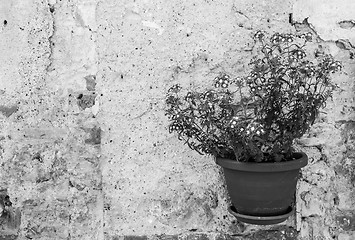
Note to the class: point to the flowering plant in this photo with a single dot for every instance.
(255, 118)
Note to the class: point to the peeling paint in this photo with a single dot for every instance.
(347, 24)
(325, 19)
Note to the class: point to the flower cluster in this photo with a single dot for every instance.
(281, 38)
(222, 81)
(256, 117)
(254, 129)
(297, 54)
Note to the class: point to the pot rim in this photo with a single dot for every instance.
(300, 161)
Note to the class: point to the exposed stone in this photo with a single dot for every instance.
(346, 222)
(166, 237)
(135, 237)
(10, 217)
(115, 238)
(95, 136)
(197, 236)
(86, 100)
(276, 234)
(230, 237)
(90, 82)
(8, 111)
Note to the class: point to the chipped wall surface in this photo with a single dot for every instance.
(84, 147)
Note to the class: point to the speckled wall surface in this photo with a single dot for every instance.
(84, 147)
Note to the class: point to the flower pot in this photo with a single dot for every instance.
(262, 193)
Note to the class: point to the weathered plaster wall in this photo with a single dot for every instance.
(84, 147)
(50, 146)
(326, 196)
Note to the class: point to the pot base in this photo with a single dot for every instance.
(269, 220)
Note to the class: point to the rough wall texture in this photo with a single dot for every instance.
(84, 148)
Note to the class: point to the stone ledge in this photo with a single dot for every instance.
(8, 237)
(286, 233)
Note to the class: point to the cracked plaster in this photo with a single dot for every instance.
(106, 167)
(324, 17)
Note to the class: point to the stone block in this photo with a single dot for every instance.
(132, 237)
(195, 236)
(166, 237)
(287, 233)
(230, 237)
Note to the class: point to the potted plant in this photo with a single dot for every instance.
(249, 123)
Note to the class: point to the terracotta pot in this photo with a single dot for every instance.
(263, 191)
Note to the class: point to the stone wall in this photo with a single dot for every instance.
(84, 147)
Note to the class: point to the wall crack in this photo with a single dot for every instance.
(51, 9)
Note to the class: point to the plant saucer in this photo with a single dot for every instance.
(260, 220)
